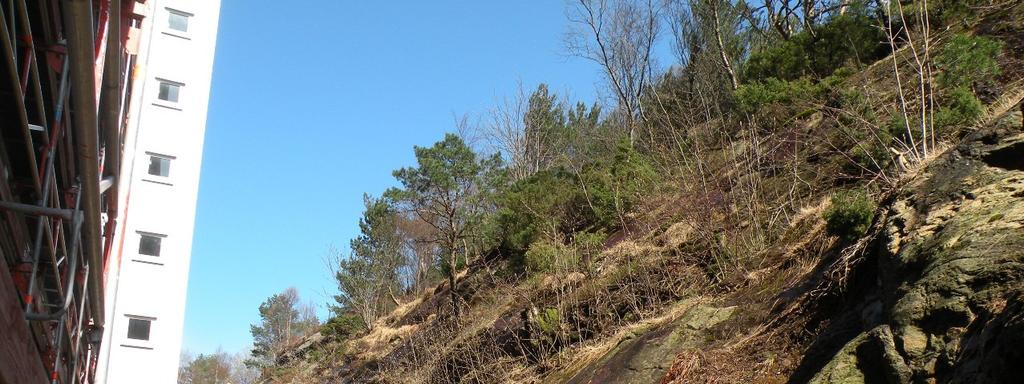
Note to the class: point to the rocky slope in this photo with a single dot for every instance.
(933, 293)
(947, 303)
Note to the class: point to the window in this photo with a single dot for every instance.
(177, 21)
(138, 329)
(169, 91)
(159, 165)
(149, 244)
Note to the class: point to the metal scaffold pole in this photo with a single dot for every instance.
(63, 80)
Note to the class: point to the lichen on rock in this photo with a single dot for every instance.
(951, 257)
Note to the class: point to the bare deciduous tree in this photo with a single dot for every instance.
(506, 133)
(369, 276)
(916, 113)
(619, 35)
(711, 37)
(713, 6)
(215, 368)
(529, 131)
(419, 252)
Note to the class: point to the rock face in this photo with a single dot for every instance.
(645, 357)
(950, 273)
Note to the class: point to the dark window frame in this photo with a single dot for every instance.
(172, 13)
(169, 96)
(157, 156)
(144, 238)
(139, 328)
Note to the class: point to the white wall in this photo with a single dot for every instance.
(149, 286)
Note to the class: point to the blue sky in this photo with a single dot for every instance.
(316, 102)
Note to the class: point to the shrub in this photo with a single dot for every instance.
(897, 128)
(461, 261)
(614, 186)
(857, 134)
(549, 200)
(961, 107)
(546, 255)
(752, 97)
(787, 60)
(850, 215)
(968, 60)
(632, 174)
(868, 149)
(945, 12)
(590, 242)
(549, 321)
(857, 107)
(341, 327)
(872, 153)
(850, 39)
(836, 79)
(559, 204)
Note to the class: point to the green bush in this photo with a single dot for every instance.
(549, 200)
(897, 128)
(850, 39)
(850, 215)
(614, 186)
(461, 262)
(944, 12)
(967, 61)
(865, 144)
(957, 108)
(633, 173)
(589, 245)
(590, 242)
(856, 106)
(545, 256)
(341, 327)
(871, 153)
(868, 149)
(961, 108)
(752, 97)
(549, 321)
(787, 60)
(558, 203)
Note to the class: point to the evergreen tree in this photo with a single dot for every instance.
(207, 369)
(370, 275)
(283, 320)
(451, 190)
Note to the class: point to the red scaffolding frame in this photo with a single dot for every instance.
(63, 84)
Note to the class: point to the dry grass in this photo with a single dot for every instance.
(380, 341)
(572, 360)
(400, 311)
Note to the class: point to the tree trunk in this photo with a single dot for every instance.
(393, 298)
(452, 265)
(721, 46)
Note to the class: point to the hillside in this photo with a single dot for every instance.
(793, 236)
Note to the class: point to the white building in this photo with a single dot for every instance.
(147, 275)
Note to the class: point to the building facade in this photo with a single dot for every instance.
(148, 276)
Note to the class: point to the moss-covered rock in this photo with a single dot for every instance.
(951, 263)
(648, 354)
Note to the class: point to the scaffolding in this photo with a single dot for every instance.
(63, 90)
